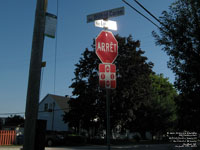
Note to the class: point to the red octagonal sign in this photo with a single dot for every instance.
(106, 47)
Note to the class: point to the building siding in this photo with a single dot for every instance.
(54, 118)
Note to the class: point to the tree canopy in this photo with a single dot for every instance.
(158, 114)
(142, 100)
(180, 38)
(132, 90)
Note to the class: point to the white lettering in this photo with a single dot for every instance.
(111, 47)
(107, 47)
(107, 69)
(115, 47)
(99, 46)
(103, 46)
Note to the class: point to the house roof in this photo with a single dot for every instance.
(61, 101)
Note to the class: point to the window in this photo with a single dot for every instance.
(46, 107)
(50, 106)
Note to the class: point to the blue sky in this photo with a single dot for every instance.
(74, 35)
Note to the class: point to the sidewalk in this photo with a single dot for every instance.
(10, 147)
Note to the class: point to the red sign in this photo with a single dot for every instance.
(106, 47)
(107, 76)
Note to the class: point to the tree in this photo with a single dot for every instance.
(180, 37)
(86, 93)
(133, 84)
(158, 115)
(14, 120)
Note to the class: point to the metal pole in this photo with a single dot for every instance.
(32, 99)
(108, 117)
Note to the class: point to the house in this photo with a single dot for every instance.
(52, 108)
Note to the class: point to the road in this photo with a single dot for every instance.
(98, 147)
(131, 147)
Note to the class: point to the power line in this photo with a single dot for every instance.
(16, 113)
(148, 11)
(6, 114)
(140, 13)
(55, 65)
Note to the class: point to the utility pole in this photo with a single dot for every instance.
(32, 99)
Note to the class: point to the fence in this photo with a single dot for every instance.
(7, 137)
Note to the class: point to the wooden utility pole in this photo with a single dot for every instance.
(32, 99)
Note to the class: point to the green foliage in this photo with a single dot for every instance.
(142, 100)
(163, 102)
(133, 82)
(159, 113)
(87, 93)
(181, 40)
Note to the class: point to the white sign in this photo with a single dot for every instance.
(106, 14)
(109, 24)
(50, 25)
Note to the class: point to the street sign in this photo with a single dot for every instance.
(107, 76)
(106, 14)
(106, 47)
(109, 24)
(50, 25)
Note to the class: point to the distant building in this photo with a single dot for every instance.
(52, 108)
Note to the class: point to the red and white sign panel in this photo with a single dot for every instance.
(107, 76)
(106, 47)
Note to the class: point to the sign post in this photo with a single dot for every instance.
(108, 117)
(107, 51)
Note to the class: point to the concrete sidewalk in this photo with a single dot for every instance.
(10, 147)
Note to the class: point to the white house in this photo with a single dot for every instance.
(52, 108)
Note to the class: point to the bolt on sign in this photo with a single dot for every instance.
(107, 76)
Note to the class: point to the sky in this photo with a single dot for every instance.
(74, 34)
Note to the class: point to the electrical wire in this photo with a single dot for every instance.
(16, 113)
(56, 38)
(6, 114)
(140, 13)
(148, 11)
(147, 17)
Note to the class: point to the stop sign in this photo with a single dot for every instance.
(106, 47)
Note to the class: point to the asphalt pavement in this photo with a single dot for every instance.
(124, 147)
(103, 147)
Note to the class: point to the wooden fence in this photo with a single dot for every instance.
(7, 137)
